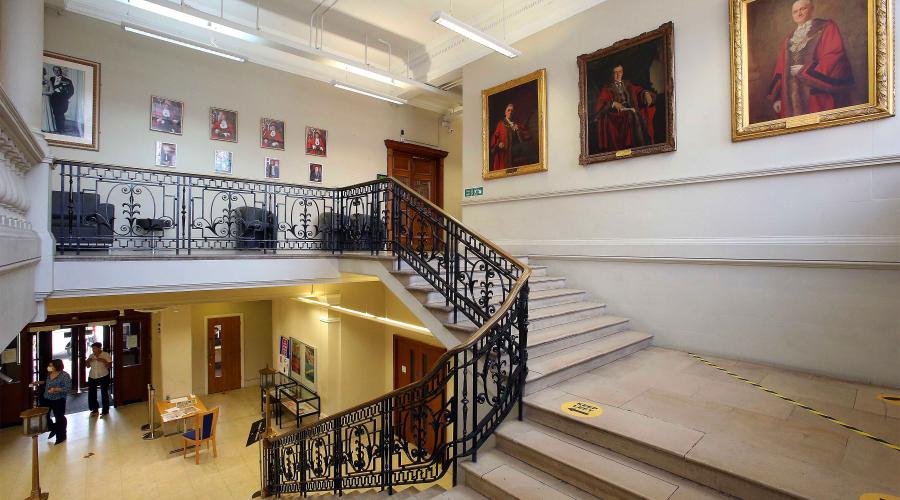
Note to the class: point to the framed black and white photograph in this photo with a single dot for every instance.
(166, 154)
(70, 89)
(166, 115)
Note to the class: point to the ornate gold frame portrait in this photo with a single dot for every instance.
(627, 98)
(514, 127)
(795, 69)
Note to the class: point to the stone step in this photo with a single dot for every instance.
(716, 460)
(591, 468)
(424, 292)
(545, 317)
(536, 300)
(560, 337)
(460, 492)
(499, 476)
(553, 368)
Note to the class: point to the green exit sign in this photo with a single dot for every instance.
(475, 191)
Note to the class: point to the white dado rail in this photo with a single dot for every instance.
(19, 152)
(20, 246)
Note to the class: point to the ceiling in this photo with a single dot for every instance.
(393, 37)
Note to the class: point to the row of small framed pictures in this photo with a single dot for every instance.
(167, 156)
(166, 115)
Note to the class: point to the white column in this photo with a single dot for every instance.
(21, 52)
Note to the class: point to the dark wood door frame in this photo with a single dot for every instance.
(424, 151)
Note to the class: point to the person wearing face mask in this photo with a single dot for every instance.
(56, 389)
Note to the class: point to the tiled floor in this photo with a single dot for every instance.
(735, 418)
(124, 466)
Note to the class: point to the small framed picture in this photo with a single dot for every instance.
(166, 154)
(271, 134)
(165, 115)
(315, 141)
(315, 172)
(273, 168)
(71, 101)
(223, 161)
(222, 125)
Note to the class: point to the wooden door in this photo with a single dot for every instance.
(15, 364)
(412, 361)
(422, 170)
(131, 358)
(223, 350)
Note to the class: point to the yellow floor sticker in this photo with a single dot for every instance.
(582, 409)
(878, 496)
(891, 399)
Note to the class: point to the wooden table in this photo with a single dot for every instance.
(163, 406)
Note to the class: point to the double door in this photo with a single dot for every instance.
(422, 170)
(413, 361)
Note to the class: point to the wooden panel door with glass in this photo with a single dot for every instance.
(223, 353)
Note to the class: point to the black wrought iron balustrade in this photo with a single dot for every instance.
(416, 434)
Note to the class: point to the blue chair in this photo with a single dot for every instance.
(204, 430)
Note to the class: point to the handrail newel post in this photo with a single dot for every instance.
(389, 440)
(338, 459)
(455, 409)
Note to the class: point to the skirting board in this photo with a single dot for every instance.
(873, 161)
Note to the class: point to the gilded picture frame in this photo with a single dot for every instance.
(626, 101)
(515, 112)
(789, 88)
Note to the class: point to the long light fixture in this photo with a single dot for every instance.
(203, 20)
(364, 315)
(474, 34)
(180, 42)
(370, 93)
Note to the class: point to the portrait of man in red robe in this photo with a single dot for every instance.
(624, 114)
(315, 141)
(223, 125)
(507, 134)
(272, 134)
(813, 71)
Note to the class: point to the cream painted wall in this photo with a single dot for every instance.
(133, 68)
(175, 352)
(839, 322)
(451, 141)
(256, 346)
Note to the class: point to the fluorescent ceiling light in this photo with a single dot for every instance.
(201, 20)
(181, 42)
(474, 34)
(370, 93)
(173, 13)
(360, 314)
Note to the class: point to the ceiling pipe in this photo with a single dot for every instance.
(311, 25)
(322, 24)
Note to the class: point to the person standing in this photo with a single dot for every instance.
(56, 389)
(100, 363)
(62, 90)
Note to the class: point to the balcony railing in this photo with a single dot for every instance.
(415, 434)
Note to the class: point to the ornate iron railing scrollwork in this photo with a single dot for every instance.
(415, 434)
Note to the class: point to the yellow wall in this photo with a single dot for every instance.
(256, 323)
(175, 352)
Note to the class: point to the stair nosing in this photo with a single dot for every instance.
(587, 355)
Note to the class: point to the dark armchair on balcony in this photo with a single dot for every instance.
(81, 221)
(255, 228)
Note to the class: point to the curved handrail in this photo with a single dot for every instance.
(291, 453)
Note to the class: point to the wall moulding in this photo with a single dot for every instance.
(871, 161)
(816, 264)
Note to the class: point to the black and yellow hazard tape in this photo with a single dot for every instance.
(891, 399)
(801, 405)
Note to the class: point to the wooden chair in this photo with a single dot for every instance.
(204, 430)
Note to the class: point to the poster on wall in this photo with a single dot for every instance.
(166, 154)
(514, 127)
(309, 367)
(627, 98)
(222, 125)
(315, 172)
(273, 168)
(296, 358)
(272, 133)
(803, 65)
(284, 356)
(223, 161)
(70, 90)
(316, 141)
(165, 115)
